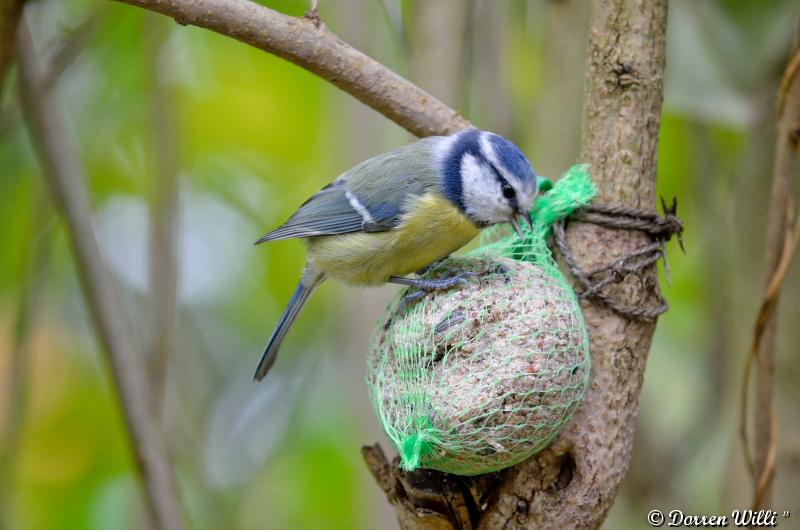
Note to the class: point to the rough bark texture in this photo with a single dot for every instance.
(57, 152)
(573, 483)
(311, 46)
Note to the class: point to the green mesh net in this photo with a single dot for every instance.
(474, 380)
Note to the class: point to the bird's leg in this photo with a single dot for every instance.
(427, 285)
(438, 284)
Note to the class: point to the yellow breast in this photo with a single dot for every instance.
(432, 229)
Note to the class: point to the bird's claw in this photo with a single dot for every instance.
(412, 298)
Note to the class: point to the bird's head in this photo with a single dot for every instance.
(488, 178)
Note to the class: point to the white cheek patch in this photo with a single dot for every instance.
(481, 193)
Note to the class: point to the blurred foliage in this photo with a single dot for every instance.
(259, 135)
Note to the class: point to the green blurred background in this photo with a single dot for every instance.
(248, 137)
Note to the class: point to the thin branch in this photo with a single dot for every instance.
(783, 236)
(58, 158)
(319, 51)
(164, 215)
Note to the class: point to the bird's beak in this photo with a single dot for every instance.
(517, 228)
(527, 216)
(515, 219)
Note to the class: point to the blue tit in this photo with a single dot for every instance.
(399, 212)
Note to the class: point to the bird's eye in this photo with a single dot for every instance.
(508, 191)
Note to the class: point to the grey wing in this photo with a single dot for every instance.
(329, 212)
(371, 197)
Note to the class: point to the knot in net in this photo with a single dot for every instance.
(476, 379)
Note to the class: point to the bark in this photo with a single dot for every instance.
(306, 42)
(65, 178)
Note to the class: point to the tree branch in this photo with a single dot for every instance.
(58, 158)
(300, 41)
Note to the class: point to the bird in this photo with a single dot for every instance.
(401, 211)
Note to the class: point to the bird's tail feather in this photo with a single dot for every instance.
(312, 277)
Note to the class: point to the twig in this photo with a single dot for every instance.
(319, 51)
(783, 236)
(164, 216)
(58, 158)
(313, 13)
